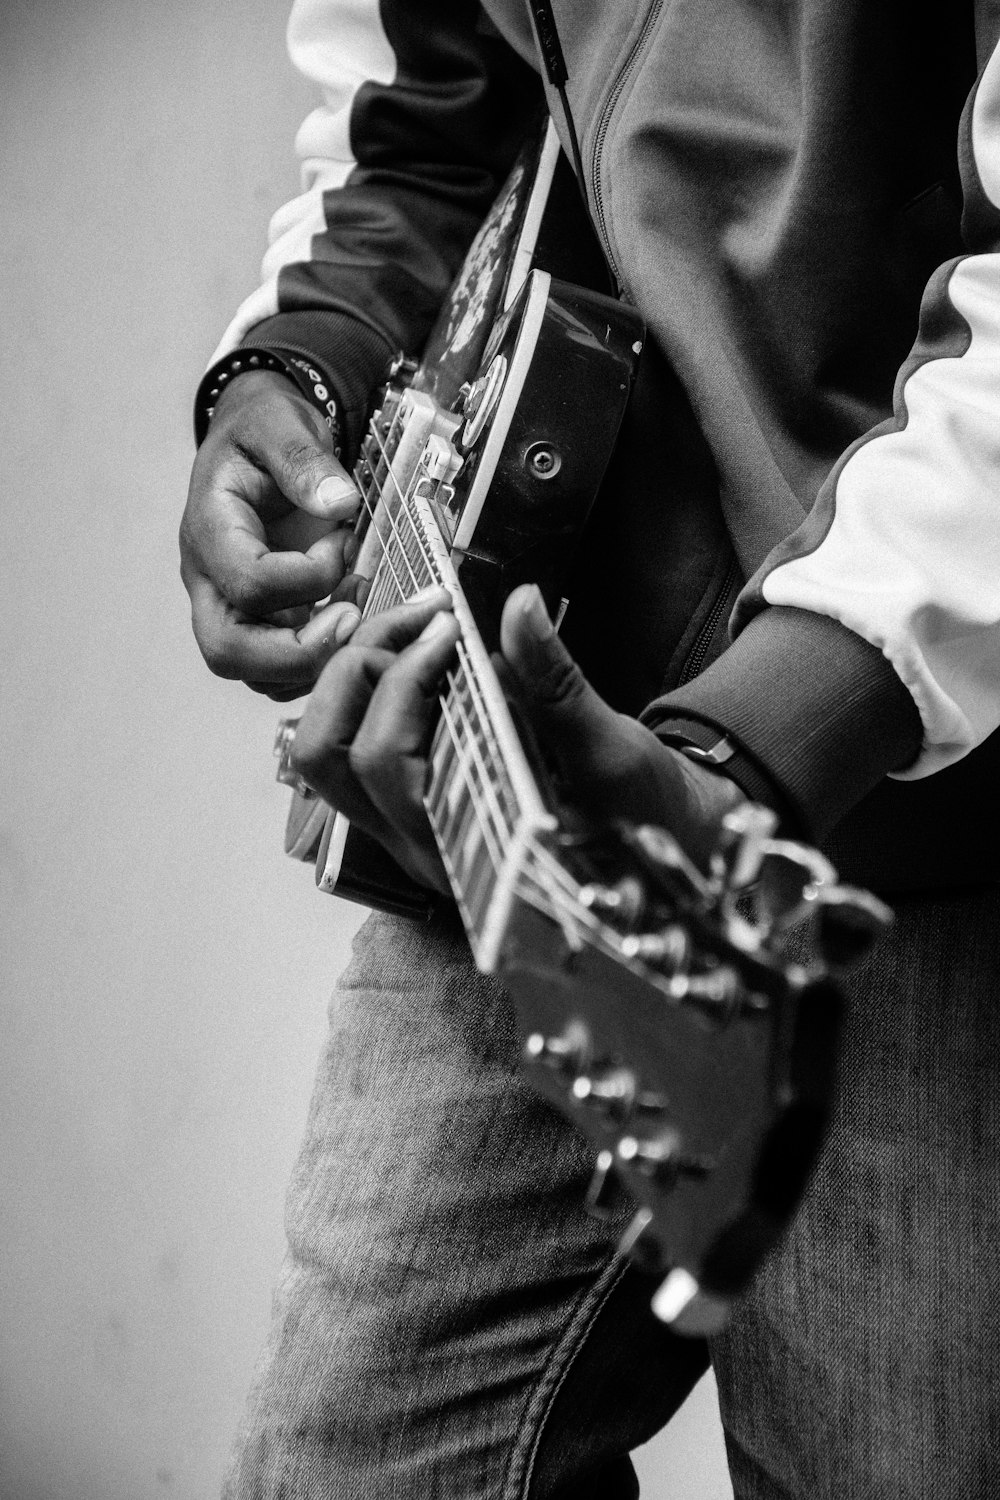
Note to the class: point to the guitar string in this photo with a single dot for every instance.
(568, 899)
(498, 812)
(496, 853)
(502, 819)
(488, 788)
(482, 812)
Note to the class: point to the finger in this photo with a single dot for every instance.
(276, 694)
(394, 629)
(274, 430)
(556, 694)
(337, 550)
(228, 543)
(321, 753)
(295, 618)
(237, 646)
(324, 755)
(388, 750)
(330, 627)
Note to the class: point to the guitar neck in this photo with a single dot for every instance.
(482, 798)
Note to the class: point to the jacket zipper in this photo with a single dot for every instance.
(605, 122)
(702, 641)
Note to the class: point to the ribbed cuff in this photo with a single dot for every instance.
(818, 708)
(353, 356)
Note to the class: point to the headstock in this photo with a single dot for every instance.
(688, 1024)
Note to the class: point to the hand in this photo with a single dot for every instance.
(361, 742)
(263, 539)
(605, 763)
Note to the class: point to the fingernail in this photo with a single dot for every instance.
(334, 493)
(432, 591)
(536, 616)
(325, 630)
(346, 626)
(436, 626)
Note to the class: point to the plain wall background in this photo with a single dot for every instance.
(165, 967)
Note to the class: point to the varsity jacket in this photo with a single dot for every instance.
(802, 199)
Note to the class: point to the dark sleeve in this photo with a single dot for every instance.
(399, 171)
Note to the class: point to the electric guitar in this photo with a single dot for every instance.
(658, 1006)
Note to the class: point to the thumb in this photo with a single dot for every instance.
(291, 442)
(557, 697)
(314, 480)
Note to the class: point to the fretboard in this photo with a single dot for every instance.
(482, 799)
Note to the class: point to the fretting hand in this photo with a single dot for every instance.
(362, 740)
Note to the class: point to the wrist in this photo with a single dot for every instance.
(720, 757)
(247, 363)
(710, 795)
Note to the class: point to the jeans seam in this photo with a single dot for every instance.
(557, 1368)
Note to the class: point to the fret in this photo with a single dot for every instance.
(475, 764)
(468, 772)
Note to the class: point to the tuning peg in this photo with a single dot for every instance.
(622, 902)
(639, 1242)
(849, 922)
(683, 1304)
(604, 1187)
(746, 831)
(567, 1053)
(669, 949)
(611, 1090)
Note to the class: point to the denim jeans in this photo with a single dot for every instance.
(451, 1323)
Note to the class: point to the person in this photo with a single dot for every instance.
(803, 201)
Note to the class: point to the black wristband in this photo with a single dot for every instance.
(313, 384)
(710, 746)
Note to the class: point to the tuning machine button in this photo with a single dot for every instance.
(849, 922)
(568, 1053)
(792, 878)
